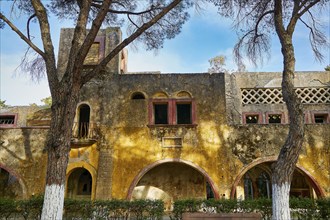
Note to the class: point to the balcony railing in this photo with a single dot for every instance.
(84, 131)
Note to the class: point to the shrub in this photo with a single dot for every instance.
(85, 209)
(301, 208)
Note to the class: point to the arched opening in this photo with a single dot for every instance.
(84, 115)
(137, 95)
(300, 186)
(9, 186)
(79, 185)
(170, 181)
(255, 182)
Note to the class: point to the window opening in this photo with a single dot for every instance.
(248, 188)
(138, 95)
(7, 119)
(263, 183)
(92, 57)
(183, 113)
(161, 113)
(320, 119)
(84, 121)
(252, 119)
(274, 119)
(209, 191)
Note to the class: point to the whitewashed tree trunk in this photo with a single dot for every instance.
(281, 200)
(53, 202)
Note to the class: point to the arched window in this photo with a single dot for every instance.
(137, 95)
(84, 115)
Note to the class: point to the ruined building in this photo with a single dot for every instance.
(170, 136)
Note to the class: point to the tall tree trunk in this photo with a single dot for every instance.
(284, 167)
(58, 147)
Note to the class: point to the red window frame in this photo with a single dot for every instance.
(101, 41)
(321, 113)
(275, 113)
(9, 125)
(245, 114)
(171, 110)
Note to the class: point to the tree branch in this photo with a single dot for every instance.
(22, 36)
(28, 25)
(152, 8)
(260, 19)
(89, 75)
(89, 40)
(296, 13)
(49, 55)
(316, 38)
(78, 37)
(129, 18)
(311, 4)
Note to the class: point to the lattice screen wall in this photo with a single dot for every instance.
(308, 95)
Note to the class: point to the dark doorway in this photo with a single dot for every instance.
(79, 185)
(84, 114)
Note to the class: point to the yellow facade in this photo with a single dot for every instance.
(123, 148)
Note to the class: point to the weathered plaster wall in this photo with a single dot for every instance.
(130, 144)
(22, 154)
(136, 145)
(127, 145)
(236, 81)
(255, 142)
(23, 113)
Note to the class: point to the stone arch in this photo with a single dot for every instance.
(138, 95)
(73, 166)
(160, 95)
(183, 95)
(19, 179)
(145, 170)
(318, 190)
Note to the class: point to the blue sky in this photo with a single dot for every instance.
(204, 36)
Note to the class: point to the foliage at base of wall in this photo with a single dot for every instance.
(301, 208)
(84, 209)
(147, 209)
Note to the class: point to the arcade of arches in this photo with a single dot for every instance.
(173, 180)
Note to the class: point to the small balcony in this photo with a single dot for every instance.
(83, 134)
